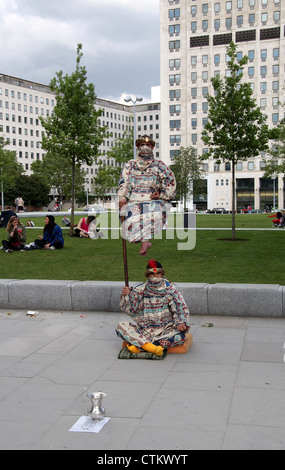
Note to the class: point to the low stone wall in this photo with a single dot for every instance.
(242, 300)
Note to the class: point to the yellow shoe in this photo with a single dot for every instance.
(149, 347)
(133, 349)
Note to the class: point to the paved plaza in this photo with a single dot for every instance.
(226, 393)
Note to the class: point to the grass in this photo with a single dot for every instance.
(257, 259)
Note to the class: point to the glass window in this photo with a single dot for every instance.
(174, 13)
(217, 59)
(228, 6)
(217, 7)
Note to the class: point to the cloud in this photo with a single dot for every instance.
(120, 41)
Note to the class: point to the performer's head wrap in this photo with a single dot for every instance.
(154, 267)
(145, 140)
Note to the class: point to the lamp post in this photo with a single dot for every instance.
(127, 100)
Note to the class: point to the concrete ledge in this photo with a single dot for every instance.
(241, 300)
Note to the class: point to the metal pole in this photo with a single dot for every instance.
(135, 151)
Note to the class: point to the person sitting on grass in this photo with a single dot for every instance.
(159, 310)
(51, 239)
(16, 236)
(83, 228)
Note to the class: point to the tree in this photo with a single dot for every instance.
(73, 133)
(187, 168)
(54, 170)
(10, 169)
(276, 164)
(33, 190)
(108, 176)
(236, 129)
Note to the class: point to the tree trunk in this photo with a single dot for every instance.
(233, 202)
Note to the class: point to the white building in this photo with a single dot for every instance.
(194, 38)
(22, 102)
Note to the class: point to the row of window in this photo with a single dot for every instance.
(19, 95)
(176, 12)
(229, 22)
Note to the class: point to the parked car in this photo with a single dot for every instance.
(218, 210)
(95, 208)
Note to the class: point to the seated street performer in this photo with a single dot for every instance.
(146, 187)
(161, 314)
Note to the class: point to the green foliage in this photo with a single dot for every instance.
(187, 168)
(10, 170)
(73, 132)
(236, 129)
(107, 175)
(276, 164)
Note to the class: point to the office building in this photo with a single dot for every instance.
(22, 102)
(194, 38)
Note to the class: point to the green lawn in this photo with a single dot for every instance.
(257, 259)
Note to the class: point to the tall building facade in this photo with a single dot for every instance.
(22, 102)
(194, 38)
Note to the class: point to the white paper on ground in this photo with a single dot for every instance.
(87, 424)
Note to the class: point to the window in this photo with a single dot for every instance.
(194, 61)
(251, 18)
(175, 139)
(239, 166)
(174, 108)
(174, 44)
(175, 13)
(174, 79)
(217, 8)
(194, 10)
(263, 70)
(251, 55)
(217, 59)
(239, 20)
(174, 63)
(276, 53)
(174, 29)
(205, 8)
(193, 26)
(251, 166)
(275, 86)
(228, 6)
(263, 54)
(276, 16)
(228, 23)
(194, 76)
(174, 94)
(263, 102)
(175, 124)
(250, 72)
(217, 24)
(275, 69)
(264, 17)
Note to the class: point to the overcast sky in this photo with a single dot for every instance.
(120, 41)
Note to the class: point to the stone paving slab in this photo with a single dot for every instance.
(227, 393)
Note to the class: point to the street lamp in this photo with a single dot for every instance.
(127, 100)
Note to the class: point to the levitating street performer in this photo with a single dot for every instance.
(160, 312)
(145, 188)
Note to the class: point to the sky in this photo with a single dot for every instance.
(120, 40)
